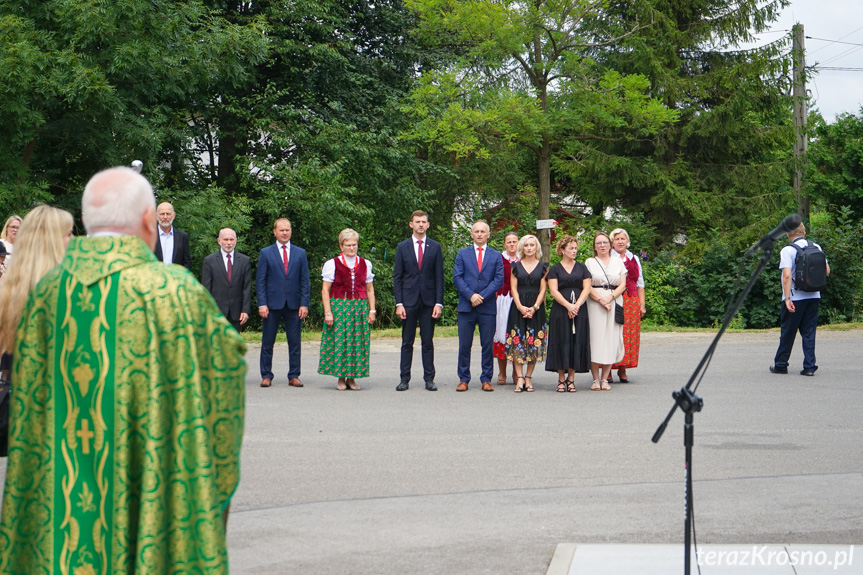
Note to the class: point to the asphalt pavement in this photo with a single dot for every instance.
(386, 482)
(383, 482)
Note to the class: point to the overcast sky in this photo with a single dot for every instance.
(833, 91)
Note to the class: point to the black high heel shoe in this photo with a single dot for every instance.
(519, 389)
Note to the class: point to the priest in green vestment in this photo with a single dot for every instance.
(127, 417)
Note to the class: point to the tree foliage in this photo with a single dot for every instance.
(726, 162)
(353, 113)
(522, 74)
(836, 164)
(91, 84)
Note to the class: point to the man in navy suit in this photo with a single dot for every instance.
(418, 289)
(283, 297)
(478, 274)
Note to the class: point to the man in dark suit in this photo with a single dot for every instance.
(478, 274)
(227, 275)
(173, 245)
(283, 297)
(418, 289)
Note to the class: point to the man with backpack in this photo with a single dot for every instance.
(804, 273)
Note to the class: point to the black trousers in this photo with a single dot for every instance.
(421, 315)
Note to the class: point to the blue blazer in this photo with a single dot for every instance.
(412, 284)
(276, 290)
(469, 280)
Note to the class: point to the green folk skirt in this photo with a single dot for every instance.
(345, 345)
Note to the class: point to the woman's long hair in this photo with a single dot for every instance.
(38, 248)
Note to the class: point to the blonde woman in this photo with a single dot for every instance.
(348, 295)
(9, 233)
(41, 243)
(527, 328)
(42, 240)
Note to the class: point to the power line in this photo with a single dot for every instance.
(836, 69)
(833, 41)
(841, 55)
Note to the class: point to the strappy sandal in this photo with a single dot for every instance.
(352, 385)
(518, 389)
(605, 386)
(501, 379)
(341, 386)
(561, 386)
(596, 386)
(570, 386)
(528, 386)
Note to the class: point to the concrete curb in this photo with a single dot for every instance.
(562, 559)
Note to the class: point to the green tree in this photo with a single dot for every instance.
(523, 74)
(836, 163)
(726, 162)
(92, 84)
(313, 132)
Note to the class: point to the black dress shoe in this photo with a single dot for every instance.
(782, 370)
(809, 372)
(431, 386)
(402, 386)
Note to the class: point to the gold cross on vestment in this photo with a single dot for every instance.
(85, 435)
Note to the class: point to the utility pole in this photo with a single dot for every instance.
(801, 142)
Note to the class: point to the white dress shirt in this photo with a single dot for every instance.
(167, 241)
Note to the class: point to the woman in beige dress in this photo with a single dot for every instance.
(606, 337)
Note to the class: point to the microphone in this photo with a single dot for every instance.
(788, 224)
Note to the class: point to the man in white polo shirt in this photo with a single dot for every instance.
(799, 309)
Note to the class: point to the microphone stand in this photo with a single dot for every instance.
(690, 403)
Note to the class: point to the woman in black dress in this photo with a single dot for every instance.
(569, 326)
(526, 329)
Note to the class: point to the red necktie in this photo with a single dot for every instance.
(230, 267)
(420, 254)
(285, 258)
(479, 259)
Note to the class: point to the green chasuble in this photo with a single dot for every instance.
(126, 420)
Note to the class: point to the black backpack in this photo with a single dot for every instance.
(810, 268)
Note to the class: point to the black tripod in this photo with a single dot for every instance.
(690, 403)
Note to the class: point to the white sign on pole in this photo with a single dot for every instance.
(545, 224)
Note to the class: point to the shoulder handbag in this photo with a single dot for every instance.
(618, 309)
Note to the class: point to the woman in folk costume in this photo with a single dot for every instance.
(348, 296)
(633, 303)
(503, 302)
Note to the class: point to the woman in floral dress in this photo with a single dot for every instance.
(527, 328)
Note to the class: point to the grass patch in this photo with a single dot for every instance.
(452, 331)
